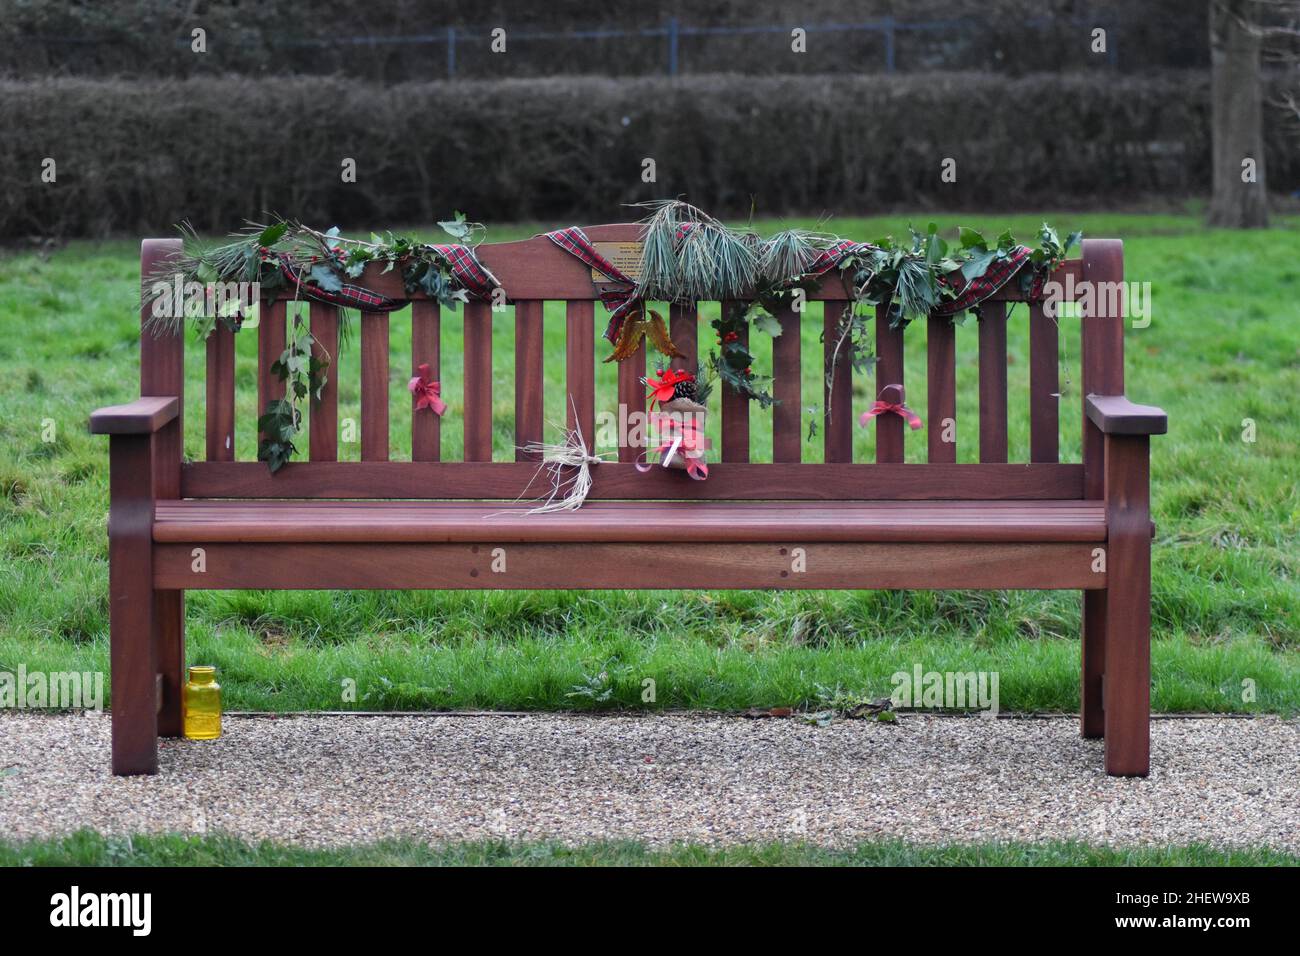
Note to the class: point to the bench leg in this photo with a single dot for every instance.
(132, 618)
(1091, 720)
(169, 627)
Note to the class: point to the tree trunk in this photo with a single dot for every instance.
(1240, 199)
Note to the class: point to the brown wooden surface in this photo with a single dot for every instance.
(1044, 386)
(941, 386)
(374, 386)
(787, 414)
(735, 405)
(219, 428)
(426, 349)
(649, 521)
(631, 398)
(529, 409)
(134, 657)
(684, 329)
(993, 382)
(837, 399)
(162, 373)
(508, 480)
(144, 416)
(323, 415)
(478, 381)
(585, 566)
(1127, 695)
(1116, 415)
(890, 429)
(580, 369)
(1102, 362)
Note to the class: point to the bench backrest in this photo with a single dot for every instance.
(535, 271)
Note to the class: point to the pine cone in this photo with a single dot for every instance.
(685, 389)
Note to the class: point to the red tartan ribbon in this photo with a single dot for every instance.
(621, 297)
(899, 408)
(994, 278)
(465, 269)
(428, 394)
(679, 435)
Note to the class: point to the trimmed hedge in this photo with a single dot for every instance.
(136, 156)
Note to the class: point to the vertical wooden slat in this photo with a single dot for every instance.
(220, 409)
(529, 410)
(684, 327)
(889, 371)
(786, 389)
(162, 372)
(478, 381)
(270, 346)
(580, 367)
(374, 386)
(324, 416)
(1102, 337)
(993, 382)
(735, 406)
(941, 385)
(837, 402)
(1044, 386)
(425, 350)
(631, 400)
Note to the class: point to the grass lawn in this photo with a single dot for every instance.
(91, 849)
(1223, 346)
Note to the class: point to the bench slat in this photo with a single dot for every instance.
(941, 386)
(220, 410)
(684, 328)
(993, 382)
(324, 413)
(529, 409)
(478, 381)
(1051, 565)
(1044, 386)
(889, 371)
(837, 419)
(787, 445)
(426, 344)
(580, 368)
(508, 480)
(374, 386)
(270, 346)
(735, 405)
(661, 521)
(631, 398)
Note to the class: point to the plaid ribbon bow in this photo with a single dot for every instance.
(620, 297)
(994, 278)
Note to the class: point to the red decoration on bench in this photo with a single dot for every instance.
(427, 393)
(882, 407)
(682, 443)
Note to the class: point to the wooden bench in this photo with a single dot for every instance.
(375, 523)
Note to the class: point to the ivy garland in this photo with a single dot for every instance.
(687, 256)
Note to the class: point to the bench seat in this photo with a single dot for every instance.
(285, 522)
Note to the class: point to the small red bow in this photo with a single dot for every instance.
(680, 436)
(427, 394)
(898, 408)
(661, 388)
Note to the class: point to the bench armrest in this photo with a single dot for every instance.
(144, 416)
(1116, 415)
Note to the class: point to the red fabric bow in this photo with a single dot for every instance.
(662, 388)
(898, 408)
(679, 435)
(427, 394)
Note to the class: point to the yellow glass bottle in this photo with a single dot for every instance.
(203, 704)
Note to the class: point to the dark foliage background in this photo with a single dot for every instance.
(139, 155)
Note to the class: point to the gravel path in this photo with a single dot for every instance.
(710, 779)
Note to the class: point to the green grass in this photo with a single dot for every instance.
(87, 848)
(1224, 345)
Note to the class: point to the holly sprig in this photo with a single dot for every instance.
(303, 369)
